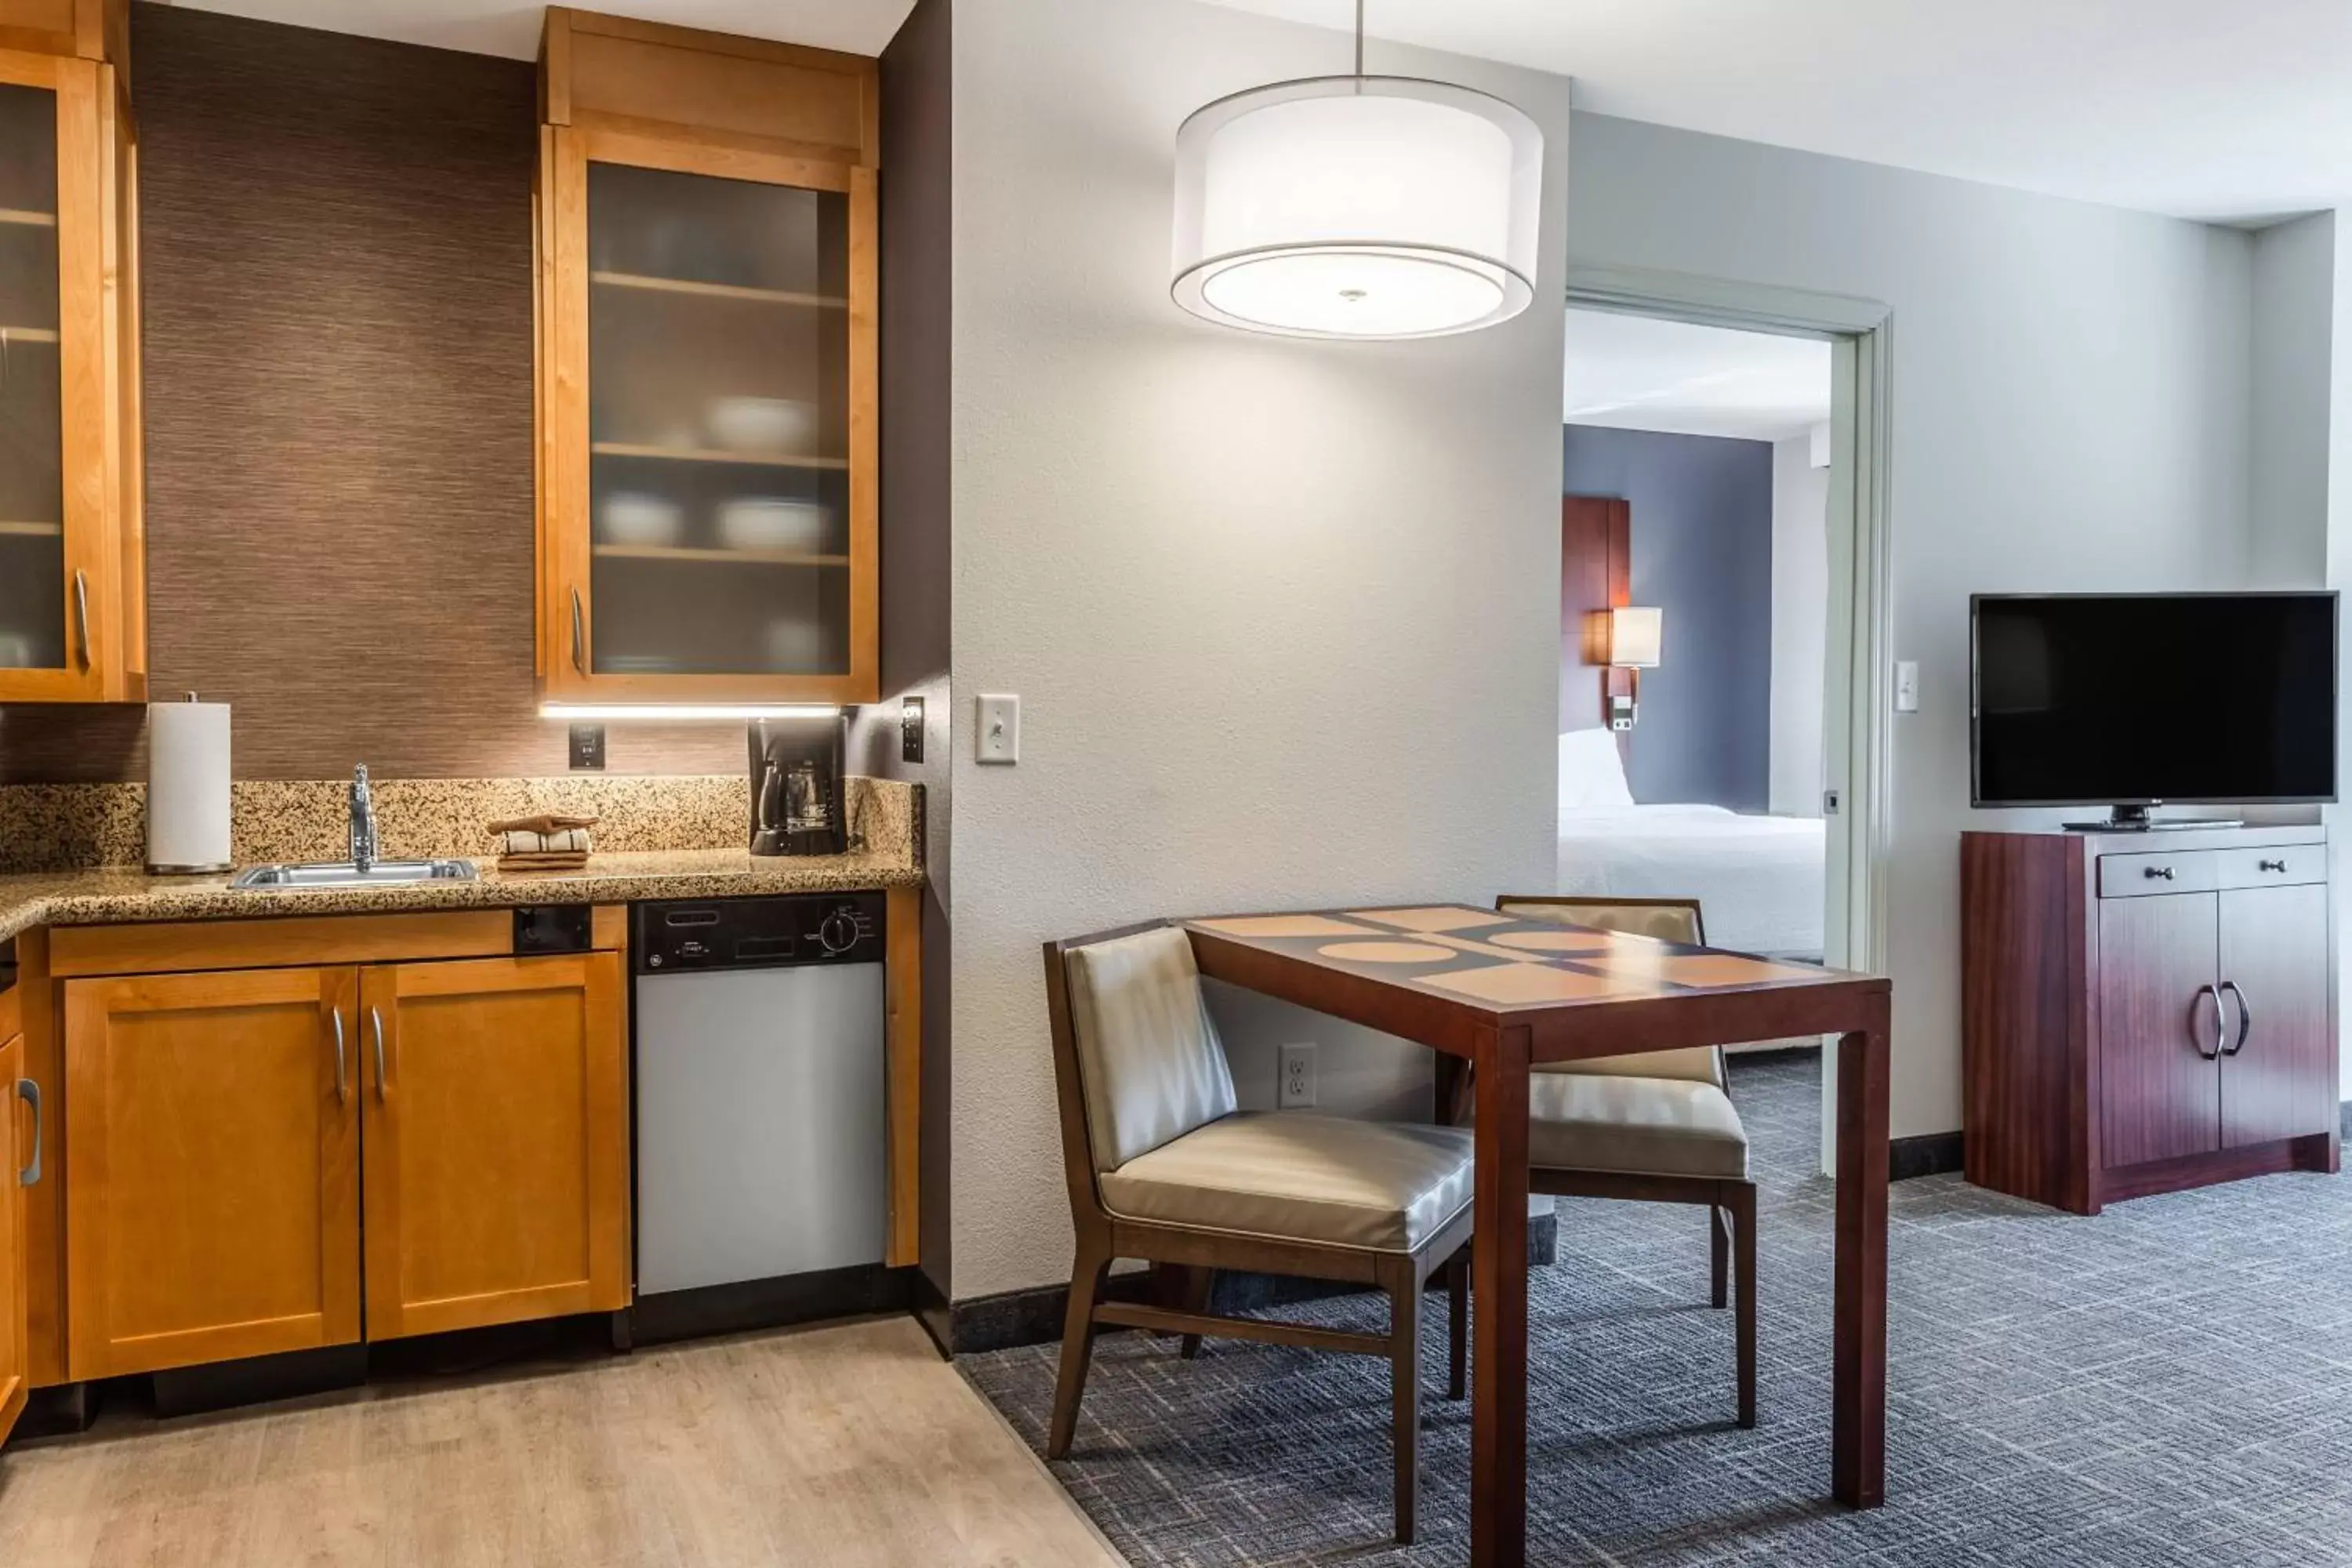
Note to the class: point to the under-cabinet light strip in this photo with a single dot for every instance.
(661, 712)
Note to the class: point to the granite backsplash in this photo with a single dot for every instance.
(58, 827)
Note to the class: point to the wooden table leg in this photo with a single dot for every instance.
(1498, 1419)
(1858, 1382)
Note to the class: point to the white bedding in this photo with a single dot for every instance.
(1759, 880)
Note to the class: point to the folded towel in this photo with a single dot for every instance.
(545, 822)
(543, 862)
(526, 841)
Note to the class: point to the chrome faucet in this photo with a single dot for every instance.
(363, 845)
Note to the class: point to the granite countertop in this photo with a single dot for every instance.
(125, 896)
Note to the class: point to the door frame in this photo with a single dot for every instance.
(1857, 729)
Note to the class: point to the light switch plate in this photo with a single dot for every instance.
(1906, 686)
(999, 732)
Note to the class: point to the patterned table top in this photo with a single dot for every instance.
(1501, 963)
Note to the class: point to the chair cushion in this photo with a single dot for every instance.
(1647, 1126)
(1148, 1056)
(1667, 923)
(1297, 1176)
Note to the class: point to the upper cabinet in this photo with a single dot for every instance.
(708, 434)
(72, 580)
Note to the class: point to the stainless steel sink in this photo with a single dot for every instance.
(345, 874)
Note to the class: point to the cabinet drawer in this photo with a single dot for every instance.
(2136, 876)
(2281, 866)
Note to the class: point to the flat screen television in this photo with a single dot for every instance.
(2129, 701)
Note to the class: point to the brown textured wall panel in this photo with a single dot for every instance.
(337, 244)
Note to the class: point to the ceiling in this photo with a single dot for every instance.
(1635, 373)
(2200, 108)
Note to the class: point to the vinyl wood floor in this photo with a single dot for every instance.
(845, 1445)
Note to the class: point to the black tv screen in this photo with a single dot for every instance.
(2134, 698)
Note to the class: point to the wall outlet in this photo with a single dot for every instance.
(587, 747)
(1295, 1092)
(910, 730)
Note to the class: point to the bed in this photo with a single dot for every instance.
(1759, 880)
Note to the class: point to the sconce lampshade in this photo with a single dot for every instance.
(1636, 633)
(1356, 207)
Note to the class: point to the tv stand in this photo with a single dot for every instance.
(2136, 820)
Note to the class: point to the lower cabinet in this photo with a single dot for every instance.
(220, 1125)
(19, 1152)
(496, 1142)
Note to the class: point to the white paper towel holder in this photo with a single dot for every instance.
(207, 868)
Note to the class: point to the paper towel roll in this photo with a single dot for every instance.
(187, 786)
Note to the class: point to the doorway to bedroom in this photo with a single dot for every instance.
(1695, 624)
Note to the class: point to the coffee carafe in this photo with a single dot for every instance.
(798, 804)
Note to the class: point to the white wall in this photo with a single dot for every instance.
(1800, 598)
(2070, 390)
(1283, 616)
(2294, 285)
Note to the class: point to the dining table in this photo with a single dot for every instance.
(1495, 995)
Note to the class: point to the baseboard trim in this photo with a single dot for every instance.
(1929, 1154)
(1017, 1318)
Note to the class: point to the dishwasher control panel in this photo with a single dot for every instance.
(757, 933)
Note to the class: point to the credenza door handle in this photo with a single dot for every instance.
(2245, 1017)
(2220, 1025)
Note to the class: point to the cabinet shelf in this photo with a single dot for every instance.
(712, 454)
(689, 287)
(739, 557)
(28, 334)
(21, 218)
(9, 530)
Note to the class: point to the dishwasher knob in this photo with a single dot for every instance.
(839, 931)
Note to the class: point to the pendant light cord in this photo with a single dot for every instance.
(1360, 41)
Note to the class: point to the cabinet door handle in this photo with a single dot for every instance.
(81, 612)
(2152, 872)
(2245, 1017)
(2278, 866)
(2220, 1025)
(375, 1023)
(342, 1072)
(30, 1093)
(579, 636)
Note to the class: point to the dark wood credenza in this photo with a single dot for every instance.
(2144, 1012)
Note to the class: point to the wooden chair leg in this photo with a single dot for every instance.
(1077, 1350)
(1198, 1288)
(1457, 1325)
(1404, 1288)
(1743, 1243)
(1718, 1236)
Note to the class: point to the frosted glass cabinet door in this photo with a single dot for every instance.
(711, 504)
(33, 576)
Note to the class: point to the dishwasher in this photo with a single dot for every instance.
(762, 1129)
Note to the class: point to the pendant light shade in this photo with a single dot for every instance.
(1357, 206)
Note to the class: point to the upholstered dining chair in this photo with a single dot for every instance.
(1164, 1167)
(1657, 1127)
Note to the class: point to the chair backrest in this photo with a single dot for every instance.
(1137, 1034)
(1668, 920)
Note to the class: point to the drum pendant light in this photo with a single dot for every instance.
(1358, 206)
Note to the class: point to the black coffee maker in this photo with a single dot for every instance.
(798, 804)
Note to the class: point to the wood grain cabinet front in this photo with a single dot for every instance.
(72, 574)
(496, 1142)
(20, 1166)
(213, 1197)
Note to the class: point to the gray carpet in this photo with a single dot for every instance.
(2171, 1382)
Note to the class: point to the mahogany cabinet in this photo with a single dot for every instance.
(2143, 1012)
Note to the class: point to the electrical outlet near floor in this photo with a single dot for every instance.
(1295, 1092)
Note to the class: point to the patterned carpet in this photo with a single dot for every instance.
(2171, 1382)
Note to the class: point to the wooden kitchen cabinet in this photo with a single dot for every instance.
(213, 1201)
(18, 1170)
(708, 404)
(496, 1142)
(72, 575)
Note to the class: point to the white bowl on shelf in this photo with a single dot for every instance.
(635, 517)
(765, 426)
(795, 647)
(774, 525)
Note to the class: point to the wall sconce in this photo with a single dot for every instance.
(1629, 637)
